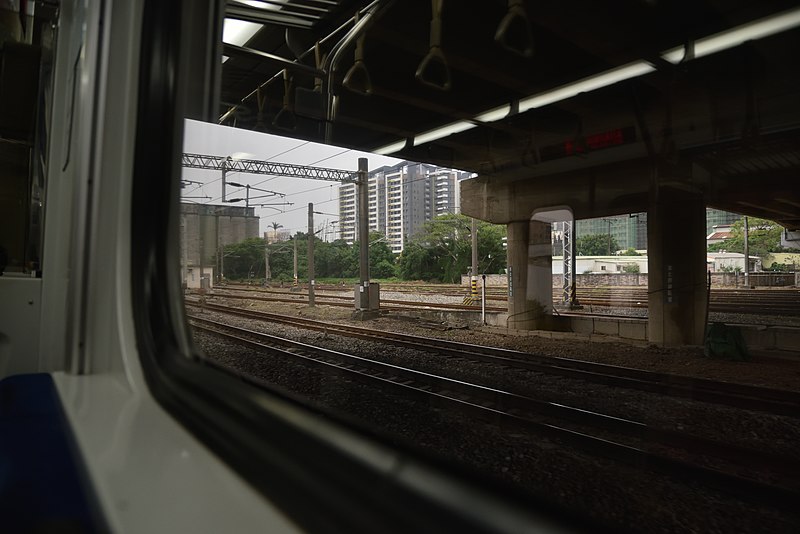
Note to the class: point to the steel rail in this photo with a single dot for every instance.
(511, 409)
(398, 304)
(777, 402)
(772, 302)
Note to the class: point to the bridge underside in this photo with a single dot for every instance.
(663, 107)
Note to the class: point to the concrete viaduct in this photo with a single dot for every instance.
(594, 109)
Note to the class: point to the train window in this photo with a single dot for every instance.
(327, 468)
(27, 37)
(455, 316)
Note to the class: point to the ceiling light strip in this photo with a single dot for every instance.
(494, 114)
(444, 131)
(277, 4)
(737, 36)
(238, 32)
(586, 85)
(705, 46)
(390, 148)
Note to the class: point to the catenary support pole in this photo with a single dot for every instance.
(483, 299)
(201, 243)
(573, 296)
(474, 275)
(311, 281)
(218, 267)
(267, 272)
(363, 228)
(295, 261)
(746, 253)
(224, 177)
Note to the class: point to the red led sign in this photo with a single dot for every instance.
(582, 145)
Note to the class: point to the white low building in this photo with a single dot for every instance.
(603, 264)
(730, 261)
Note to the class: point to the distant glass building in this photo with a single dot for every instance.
(629, 231)
(715, 217)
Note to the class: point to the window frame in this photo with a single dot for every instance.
(264, 434)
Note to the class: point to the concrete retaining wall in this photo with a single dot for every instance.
(630, 330)
(760, 279)
(604, 280)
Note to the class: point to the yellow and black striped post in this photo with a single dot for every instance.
(473, 297)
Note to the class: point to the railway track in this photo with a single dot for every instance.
(347, 301)
(771, 302)
(744, 472)
(777, 402)
(781, 302)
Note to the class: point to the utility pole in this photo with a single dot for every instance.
(363, 222)
(224, 175)
(362, 294)
(295, 260)
(746, 253)
(200, 229)
(569, 295)
(474, 277)
(185, 250)
(310, 254)
(267, 272)
(218, 268)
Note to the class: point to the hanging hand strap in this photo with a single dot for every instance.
(433, 70)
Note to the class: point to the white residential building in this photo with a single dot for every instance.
(401, 199)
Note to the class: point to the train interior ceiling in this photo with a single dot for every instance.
(704, 92)
(108, 407)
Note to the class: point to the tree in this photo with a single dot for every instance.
(334, 260)
(244, 258)
(630, 251)
(381, 258)
(275, 226)
(764, 237)
(596, 245)
(491, 253)
(442, 250)
(384, 269)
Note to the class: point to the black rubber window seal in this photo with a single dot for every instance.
(321, 488)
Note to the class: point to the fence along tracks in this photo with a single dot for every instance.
(769, 478)
(777, 402)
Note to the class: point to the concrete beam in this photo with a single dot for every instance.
(608, 190)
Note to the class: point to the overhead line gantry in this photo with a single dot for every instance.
(254, 166)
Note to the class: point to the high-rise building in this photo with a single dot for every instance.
(630, 231)
(402, 198)
(348, 206)
(348, 212)
(715, 217)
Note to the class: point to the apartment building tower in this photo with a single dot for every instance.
(401, 199)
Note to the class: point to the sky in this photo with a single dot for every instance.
(215, 140)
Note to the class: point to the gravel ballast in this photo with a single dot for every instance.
(610, 492)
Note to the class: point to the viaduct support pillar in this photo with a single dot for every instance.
(530, 279)
(676, 250)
